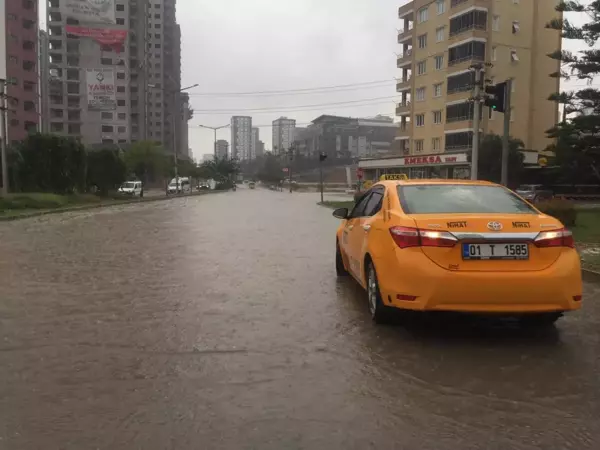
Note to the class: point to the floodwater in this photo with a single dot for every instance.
(217, 322)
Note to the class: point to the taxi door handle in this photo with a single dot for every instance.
(366, 227)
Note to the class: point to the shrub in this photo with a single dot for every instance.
(32, 201)
(562, 210)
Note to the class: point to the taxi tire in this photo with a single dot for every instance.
(540, 320)
(340, 270)
(379, 312)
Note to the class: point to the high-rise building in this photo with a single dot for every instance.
(440, 41)
(184, 117)
(283, 134)
(117, 93)
(43, 73)
(260, 149)
(241, 137)
(254, 144)
(222, 149)
(20, 36)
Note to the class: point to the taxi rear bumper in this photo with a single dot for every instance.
(418, 283)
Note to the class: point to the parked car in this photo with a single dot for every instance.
(131, 188)
(534, 192)
(179, 185)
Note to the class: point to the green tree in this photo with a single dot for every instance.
(272, 170)
(147, 160)
(221, 170)
(577, 139)
(490, 159)
(106, 169)
(49, 163)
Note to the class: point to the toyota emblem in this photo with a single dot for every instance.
(494, 226)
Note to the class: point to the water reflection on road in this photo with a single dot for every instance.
(217, 322)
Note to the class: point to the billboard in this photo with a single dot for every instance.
(100, 84)
(104, 36)
(89, 11)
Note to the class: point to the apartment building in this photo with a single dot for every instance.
(255, 141)
(241, 137)
(222, 149)
(20, 25)
(439, 42)
(141, 77)
(283, 134)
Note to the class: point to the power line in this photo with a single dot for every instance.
(282, 108)
(285, 91)
(283, 94)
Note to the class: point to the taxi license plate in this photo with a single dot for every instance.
(495, 251)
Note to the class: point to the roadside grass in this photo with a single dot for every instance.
(34, 201)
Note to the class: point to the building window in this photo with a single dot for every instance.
(459, 112)
(157, 16)
(57, 126)
(475, 19)
(107, 128)
(157, 25)
(419, 145)
(120, 102)
(436, 143)
(13, 59)
(11, 17)
(437, 90)
(437, 117)
(420, 94)
(120, 21)
(14, 123)
(420, 120)
(439, 62)
(460, 83)
(122, 130)
(513, 55)
(473, 50)
(439, 34)
(422, 41)
(422, 15)
(120, 75)
(107, 116)
(441, 6)
(120, 7)
(515, 26)
(496, 23)
(494, 55)
(122, 116)
(421, 67)
(121, 89)
(106, 61)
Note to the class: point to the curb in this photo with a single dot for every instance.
(100, 205)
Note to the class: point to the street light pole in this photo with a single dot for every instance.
(215, 131)
(3, 137)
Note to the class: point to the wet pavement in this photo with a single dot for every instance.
(217, 322)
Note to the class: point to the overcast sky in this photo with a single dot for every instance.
(258, 45)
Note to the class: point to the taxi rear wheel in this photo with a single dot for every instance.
(379, 312)
(540, 320)
(340, 270)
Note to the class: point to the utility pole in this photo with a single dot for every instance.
(174, 127)
(476, 113)
(505, 143)
(291, 152)
(3, 137)
(322, 157)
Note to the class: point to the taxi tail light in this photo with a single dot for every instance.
(555, 238)
(405, 237)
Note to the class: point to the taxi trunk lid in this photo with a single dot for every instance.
(489, 242)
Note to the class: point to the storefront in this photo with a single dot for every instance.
(445, 166)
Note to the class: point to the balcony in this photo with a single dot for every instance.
(405, 33)
(455, 3)
(403, 58)
(472, 20)
(469, 51)
(403, 108)
(403, 84)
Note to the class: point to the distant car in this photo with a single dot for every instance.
(131, 188)
(203, 185)
(465, 246)
(179, 185)
(534, 192)
(252, 185)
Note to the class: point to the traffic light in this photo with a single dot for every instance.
(322, 156)
(496, 96)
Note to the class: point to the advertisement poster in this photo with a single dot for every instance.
(89, 11)
(103, 36)
(101, 89)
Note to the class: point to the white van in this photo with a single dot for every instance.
(179, 185)
(132, 188)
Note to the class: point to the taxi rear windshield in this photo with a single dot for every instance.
(460, 198)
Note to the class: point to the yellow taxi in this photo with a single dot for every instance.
(454, 245)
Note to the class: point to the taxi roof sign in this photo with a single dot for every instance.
(394, 176)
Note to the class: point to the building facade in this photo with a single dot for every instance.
(283, 134)
(222, 149)
(255, 140)
(347, 137)
(144, 73)
(241, 137)
(440, 40)
(21, 43)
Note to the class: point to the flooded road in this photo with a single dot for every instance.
(217, 322)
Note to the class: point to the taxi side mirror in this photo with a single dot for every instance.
(341, 213)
